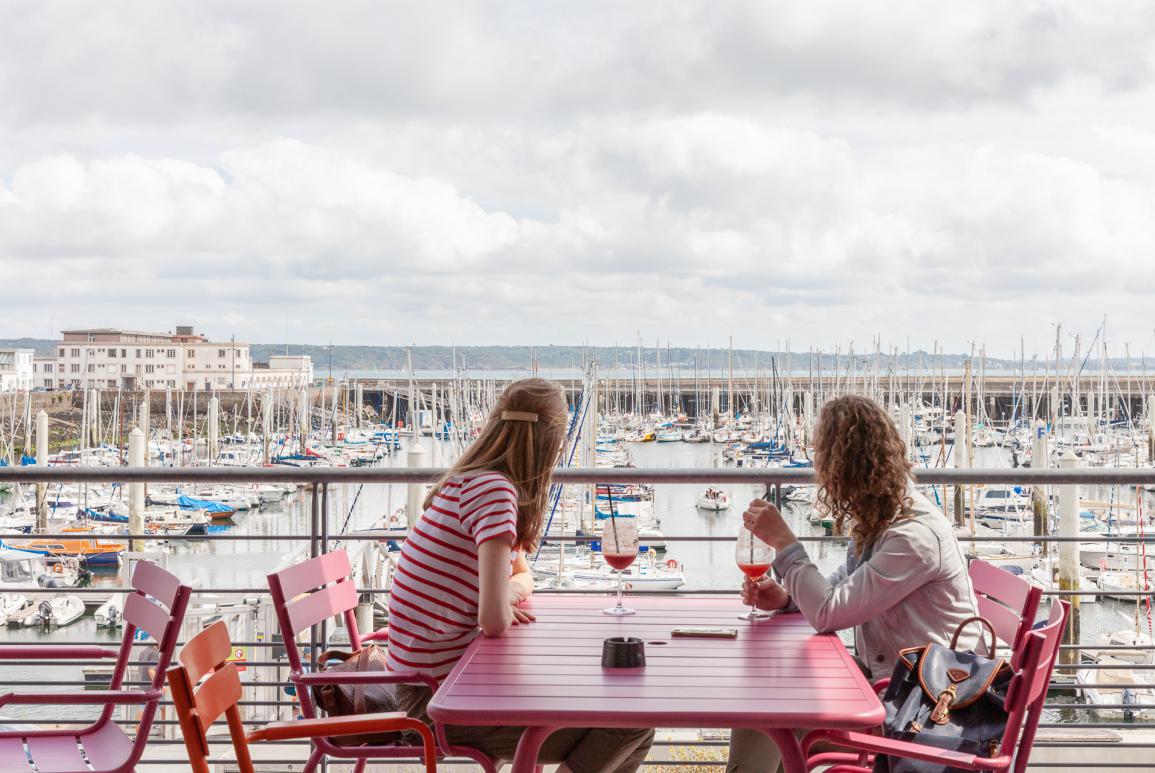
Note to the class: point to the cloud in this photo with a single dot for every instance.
(384, 172)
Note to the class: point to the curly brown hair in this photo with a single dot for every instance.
(861, 467)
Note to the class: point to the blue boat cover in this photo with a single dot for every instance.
(105, 517)
(188, 503)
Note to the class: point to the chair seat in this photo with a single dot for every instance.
(106, 749)
(355, 724)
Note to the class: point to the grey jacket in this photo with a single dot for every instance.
(912, 588)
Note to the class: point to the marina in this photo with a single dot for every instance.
(223, 538)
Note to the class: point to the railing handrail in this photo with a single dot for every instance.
(803, 475)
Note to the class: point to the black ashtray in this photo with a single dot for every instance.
(623, 652)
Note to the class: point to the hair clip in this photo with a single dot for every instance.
(518, 416)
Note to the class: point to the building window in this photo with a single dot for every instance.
(48, 367)
(148, 354)
(124, 352)
(92, 339)
(192, 354)
(89, 352)
(148, 369)
(171, 353)
(61, 352)
(75, 352)
(124, 369)
(75, 367)
(220, 352)
(91, 368)
(112, 353)
(170, 383)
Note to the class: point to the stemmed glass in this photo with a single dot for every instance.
(619, 549)
(754, 558)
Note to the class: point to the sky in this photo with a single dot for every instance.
(365, 172)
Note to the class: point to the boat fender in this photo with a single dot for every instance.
(671, 563)
(58, 568)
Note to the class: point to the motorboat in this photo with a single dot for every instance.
(110, 614)
(1131, 677)
(56, 612)
(713, 499)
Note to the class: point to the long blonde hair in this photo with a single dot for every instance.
(524, 446)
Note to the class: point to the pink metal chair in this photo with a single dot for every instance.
(1009, 602)
(1032, 664)
(316, 590)
(156, 606)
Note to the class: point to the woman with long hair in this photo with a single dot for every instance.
(905, 580)
(463, 572)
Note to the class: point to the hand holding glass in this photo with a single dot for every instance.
(754, 558)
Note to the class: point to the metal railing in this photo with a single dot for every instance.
(319, 537)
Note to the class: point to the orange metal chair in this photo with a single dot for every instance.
(205, 685)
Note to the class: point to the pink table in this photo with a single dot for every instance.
(778, 675)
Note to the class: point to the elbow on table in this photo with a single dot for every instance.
(493, 626)
(826, 621)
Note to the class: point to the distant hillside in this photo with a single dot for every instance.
(42, 346)
(395, 358)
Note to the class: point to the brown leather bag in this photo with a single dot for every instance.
(340, 700)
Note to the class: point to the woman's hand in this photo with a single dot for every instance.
(765, 594)
(765, 522)
(521, 616)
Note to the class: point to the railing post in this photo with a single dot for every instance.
(324, 547)
(415, 493)
(314, 551)
(1069, 551)
(961, 461)
(136, 454)
(1040, 460)
(42, 461)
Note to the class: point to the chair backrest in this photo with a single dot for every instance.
(307, 594)
(1028, 688)
(1008, 601)
(204, 686)
(157, 607)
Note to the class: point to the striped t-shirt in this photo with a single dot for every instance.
(434, 598)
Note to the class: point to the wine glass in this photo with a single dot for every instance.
(754, 558)
(619, 549)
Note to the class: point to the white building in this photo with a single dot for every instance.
(105, 358)
(43, 372)
(16, 372)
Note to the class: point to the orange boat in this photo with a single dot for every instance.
(89, 551)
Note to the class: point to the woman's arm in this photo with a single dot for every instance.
(494, 612)
(521, 583)
(902, 561)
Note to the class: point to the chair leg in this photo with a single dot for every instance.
(314, 760)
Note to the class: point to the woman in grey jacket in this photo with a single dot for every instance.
(905, 580)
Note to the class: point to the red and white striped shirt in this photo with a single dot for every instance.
(434, 599)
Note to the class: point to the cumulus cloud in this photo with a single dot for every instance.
(550, 172)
